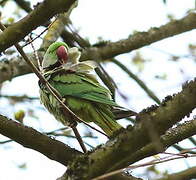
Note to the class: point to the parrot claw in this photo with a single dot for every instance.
(64, 101)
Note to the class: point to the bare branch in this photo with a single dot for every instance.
(73, 38)
(139, 81)
(42, 13)
(141, 39)
(30, 138)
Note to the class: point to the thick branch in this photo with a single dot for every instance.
(157, 119)
(111, 49)
(141, 39)
(42, 13)
(30, 138)
(171, 137)
(16, 67)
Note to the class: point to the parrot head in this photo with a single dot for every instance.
(59, 54)
(56, 55)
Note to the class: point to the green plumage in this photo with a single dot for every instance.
(79, 85)
(82, 94)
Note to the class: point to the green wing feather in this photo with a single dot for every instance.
(80, 86)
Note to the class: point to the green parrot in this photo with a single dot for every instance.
(79, 88)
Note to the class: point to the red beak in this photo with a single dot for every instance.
(62, 54)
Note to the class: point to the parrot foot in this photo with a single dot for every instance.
(64, 101)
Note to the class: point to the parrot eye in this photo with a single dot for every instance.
(62, 54)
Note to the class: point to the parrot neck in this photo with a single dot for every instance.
(53, 66)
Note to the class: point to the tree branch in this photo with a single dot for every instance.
(74, 39)
(19, 98)
(17, 67)
(57, 27)
(25, 5)
(42, 13)
(141, 39)
(30, 138)
(187, 174)
(171, 137)
(149, 92)
(116, 152)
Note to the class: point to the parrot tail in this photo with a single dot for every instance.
(106, 120)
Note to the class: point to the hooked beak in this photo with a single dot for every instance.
(62, 54)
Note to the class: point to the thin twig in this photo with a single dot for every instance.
(18, 98)
(182, 149)
(131, 167)
(175, 154)
(56, 130)
(76, 36)
(189, 150)
(106, 79)
(40, 34)
(193, 140)
(139, 81)
(35, 53)
(7, 141)
(78, 137)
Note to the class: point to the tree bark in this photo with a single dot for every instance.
(30, 138)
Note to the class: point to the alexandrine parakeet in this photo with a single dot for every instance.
(80, 89)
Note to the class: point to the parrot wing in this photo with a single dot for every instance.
(81, 86)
